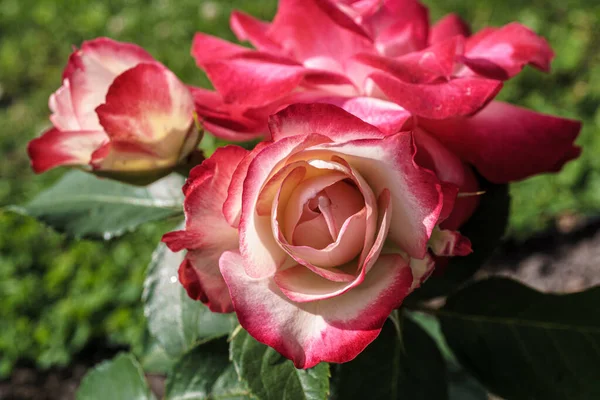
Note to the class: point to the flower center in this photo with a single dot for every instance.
(324, 215)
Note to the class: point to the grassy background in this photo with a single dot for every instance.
(56, 293)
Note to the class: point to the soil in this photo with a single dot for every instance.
(561, 261)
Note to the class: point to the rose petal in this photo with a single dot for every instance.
(147, 108)
(207, 234)
(501, 53)
(416, 193)
(248, 28)
(345, 248)
(332, 330)
(207, 49)
(508, 143)
(425, 66)
(324, 119)
(431, 154)
(255, 79)
(55, 148)
(303, 41)
(450, 25)
(456, 97)
(63, 114)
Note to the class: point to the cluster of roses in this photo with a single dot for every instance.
(372, 122)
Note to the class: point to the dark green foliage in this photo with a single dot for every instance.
(206, 373)
(523, 344)
(395, 367)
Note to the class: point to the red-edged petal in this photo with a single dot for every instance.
(232, 207)
(502, 53)
(442, 100)
(149, 107)
(417, 196)
(507, 143)
(332, 330)
(55, 148)
(207, 234)
(92, 69)
(447, 27)
(114, 56)
(323, 119)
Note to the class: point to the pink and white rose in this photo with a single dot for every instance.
(119, 113)
(315, 236)
(382, 61)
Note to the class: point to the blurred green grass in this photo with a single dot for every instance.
(57, 293)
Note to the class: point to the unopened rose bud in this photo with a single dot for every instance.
(119, 114)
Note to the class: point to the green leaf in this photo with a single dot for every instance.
(270, 376)
(153, 358)
(206, 373)
(394, 367)
(175, 320)
(81, 204)
(121, 378)
(523, 344)
(485, 230)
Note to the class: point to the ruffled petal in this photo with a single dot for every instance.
(457, 97)
(501, 53)
(416, 194)
(207, 234)
(262, 255)
(331, 330)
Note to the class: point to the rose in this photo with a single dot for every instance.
(119, 113)
(383, 62)
(313, 238)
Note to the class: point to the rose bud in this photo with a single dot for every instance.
(119, 114)
(315, 237)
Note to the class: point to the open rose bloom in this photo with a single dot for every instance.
(383, 62)
(119, 113)
(313, 238)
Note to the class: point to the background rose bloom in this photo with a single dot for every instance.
(313, 238)
(383, 62)
(119, 113)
